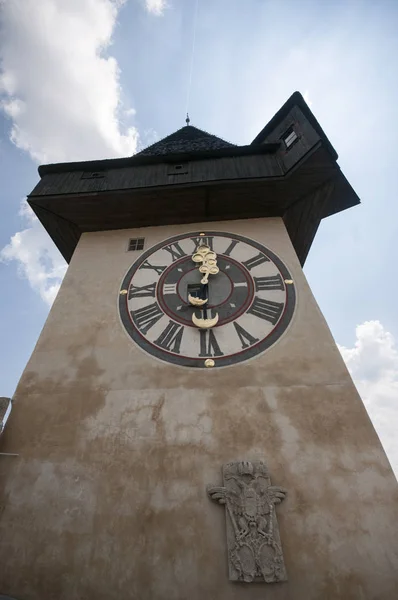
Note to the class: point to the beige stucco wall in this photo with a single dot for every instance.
(107, 497)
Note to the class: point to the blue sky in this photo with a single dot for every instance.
(95, 78)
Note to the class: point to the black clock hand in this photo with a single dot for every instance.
(204, 291)
(207, 259)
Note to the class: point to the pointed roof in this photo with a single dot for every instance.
(186, 139)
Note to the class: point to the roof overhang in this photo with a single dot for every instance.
(302, 184)
(67, 216)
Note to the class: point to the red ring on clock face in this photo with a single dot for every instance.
(253, 295)
(230, 292)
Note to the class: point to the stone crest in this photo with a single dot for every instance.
(254, 547)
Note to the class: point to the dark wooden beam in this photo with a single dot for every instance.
(302, 218)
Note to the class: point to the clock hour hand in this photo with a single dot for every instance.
(201, 298)
(207, 259)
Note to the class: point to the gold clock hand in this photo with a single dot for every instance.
(207, 260)
(205, 323)
(196, 301)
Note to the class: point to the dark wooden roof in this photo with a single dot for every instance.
(186, 139)
(296, 99)
(192, 176)
(185, 153)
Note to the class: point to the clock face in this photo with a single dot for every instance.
(206, 299)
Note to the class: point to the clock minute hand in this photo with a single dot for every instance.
(207, 259)
(209, 267)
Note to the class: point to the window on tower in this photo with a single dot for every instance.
(136, 244)
(93, 175)
(177, 169)
(290, 137)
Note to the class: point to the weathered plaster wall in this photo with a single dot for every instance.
(107, 497)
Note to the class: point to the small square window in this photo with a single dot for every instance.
(177, 169)
(136, 244)
(290, 137)
(93, 175)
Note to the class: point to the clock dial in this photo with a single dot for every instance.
(175, 311)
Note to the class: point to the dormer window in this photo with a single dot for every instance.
(290, 137)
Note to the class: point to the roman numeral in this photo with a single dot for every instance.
(170, 338)
(175, 250)
(146, 265)
(266, 309)
(208, 344)
(269, 283)
(244, 336)
(170, 288)
(230, 248)
(142, 292)
(203, 239)
(256, 260)
(146, 317)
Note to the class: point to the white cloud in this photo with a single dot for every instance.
(373, 364)
(58, 85)
(61, 91)
(156, 7)
(38, 260)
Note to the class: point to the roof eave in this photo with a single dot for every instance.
(139, 159)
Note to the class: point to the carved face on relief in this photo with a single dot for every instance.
(206, 299)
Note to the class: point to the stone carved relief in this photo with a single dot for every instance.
(254, 547)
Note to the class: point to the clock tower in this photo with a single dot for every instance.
(186, 426)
